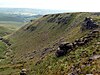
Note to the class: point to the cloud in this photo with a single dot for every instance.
(74, 5)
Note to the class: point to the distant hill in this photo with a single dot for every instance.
(11, 17)
(23, 14)
(30, 11)
(47, 30)
(17, 17)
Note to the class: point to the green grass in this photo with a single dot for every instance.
(48, 35)
(9, 27)
(2, 50)
(52, 65)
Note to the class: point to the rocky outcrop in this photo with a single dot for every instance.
(30, 28)
(57, 18)
(23, 72)
(89, 24)
(65, 47)
(5, 41)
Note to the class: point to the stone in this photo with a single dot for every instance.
(23, 72)
(94, 57)
(89, 24)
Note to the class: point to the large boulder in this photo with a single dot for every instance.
(89, 24)
(23, 72)
(59, 53)
(64, 48)
(63, 45)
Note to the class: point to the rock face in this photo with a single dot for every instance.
(5, 41)
(30, 28)
(65, 47)
(89, 24)
(58, 19)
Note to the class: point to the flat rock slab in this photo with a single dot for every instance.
(94, 57)
(89, 74)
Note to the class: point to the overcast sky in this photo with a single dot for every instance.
(72, 5)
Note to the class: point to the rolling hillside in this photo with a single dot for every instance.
(46, 31)
(5, 31)
(34, 45)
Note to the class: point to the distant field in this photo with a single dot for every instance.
(11, 17)
(11, 25)
(8, 27)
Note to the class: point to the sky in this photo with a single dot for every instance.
(72, 5)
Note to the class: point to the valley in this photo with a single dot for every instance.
(35, 45)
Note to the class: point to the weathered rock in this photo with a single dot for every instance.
(60, 53)
(79, 42)
(31, 20)
(23, 72)
(89, 24)
(6, 42)
(74, 44)
(94, 57)
(1, 38)
(32, 28)
(95, 33)
(98, 43)
(64, 48)
(45, 15)
(89, 74)
(56, 18)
